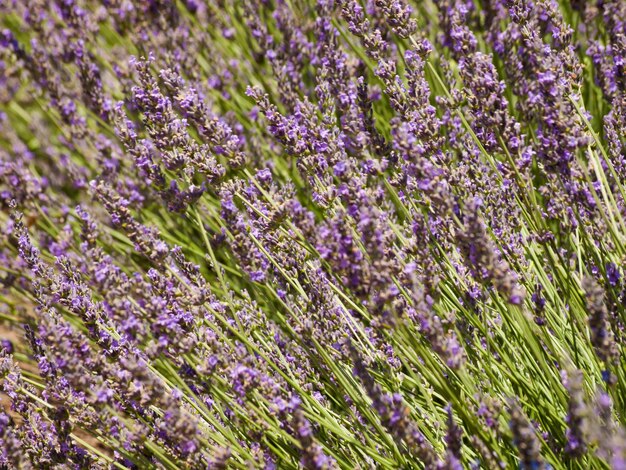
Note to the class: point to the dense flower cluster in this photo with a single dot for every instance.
(312, 234)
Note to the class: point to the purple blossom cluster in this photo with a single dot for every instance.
(312, 234)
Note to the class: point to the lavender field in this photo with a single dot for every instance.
(317, 234)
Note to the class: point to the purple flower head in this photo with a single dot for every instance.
(613, 274)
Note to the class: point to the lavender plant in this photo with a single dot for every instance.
(312, 234)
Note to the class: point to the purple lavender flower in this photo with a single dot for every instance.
(525, 439)
(601, 333)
